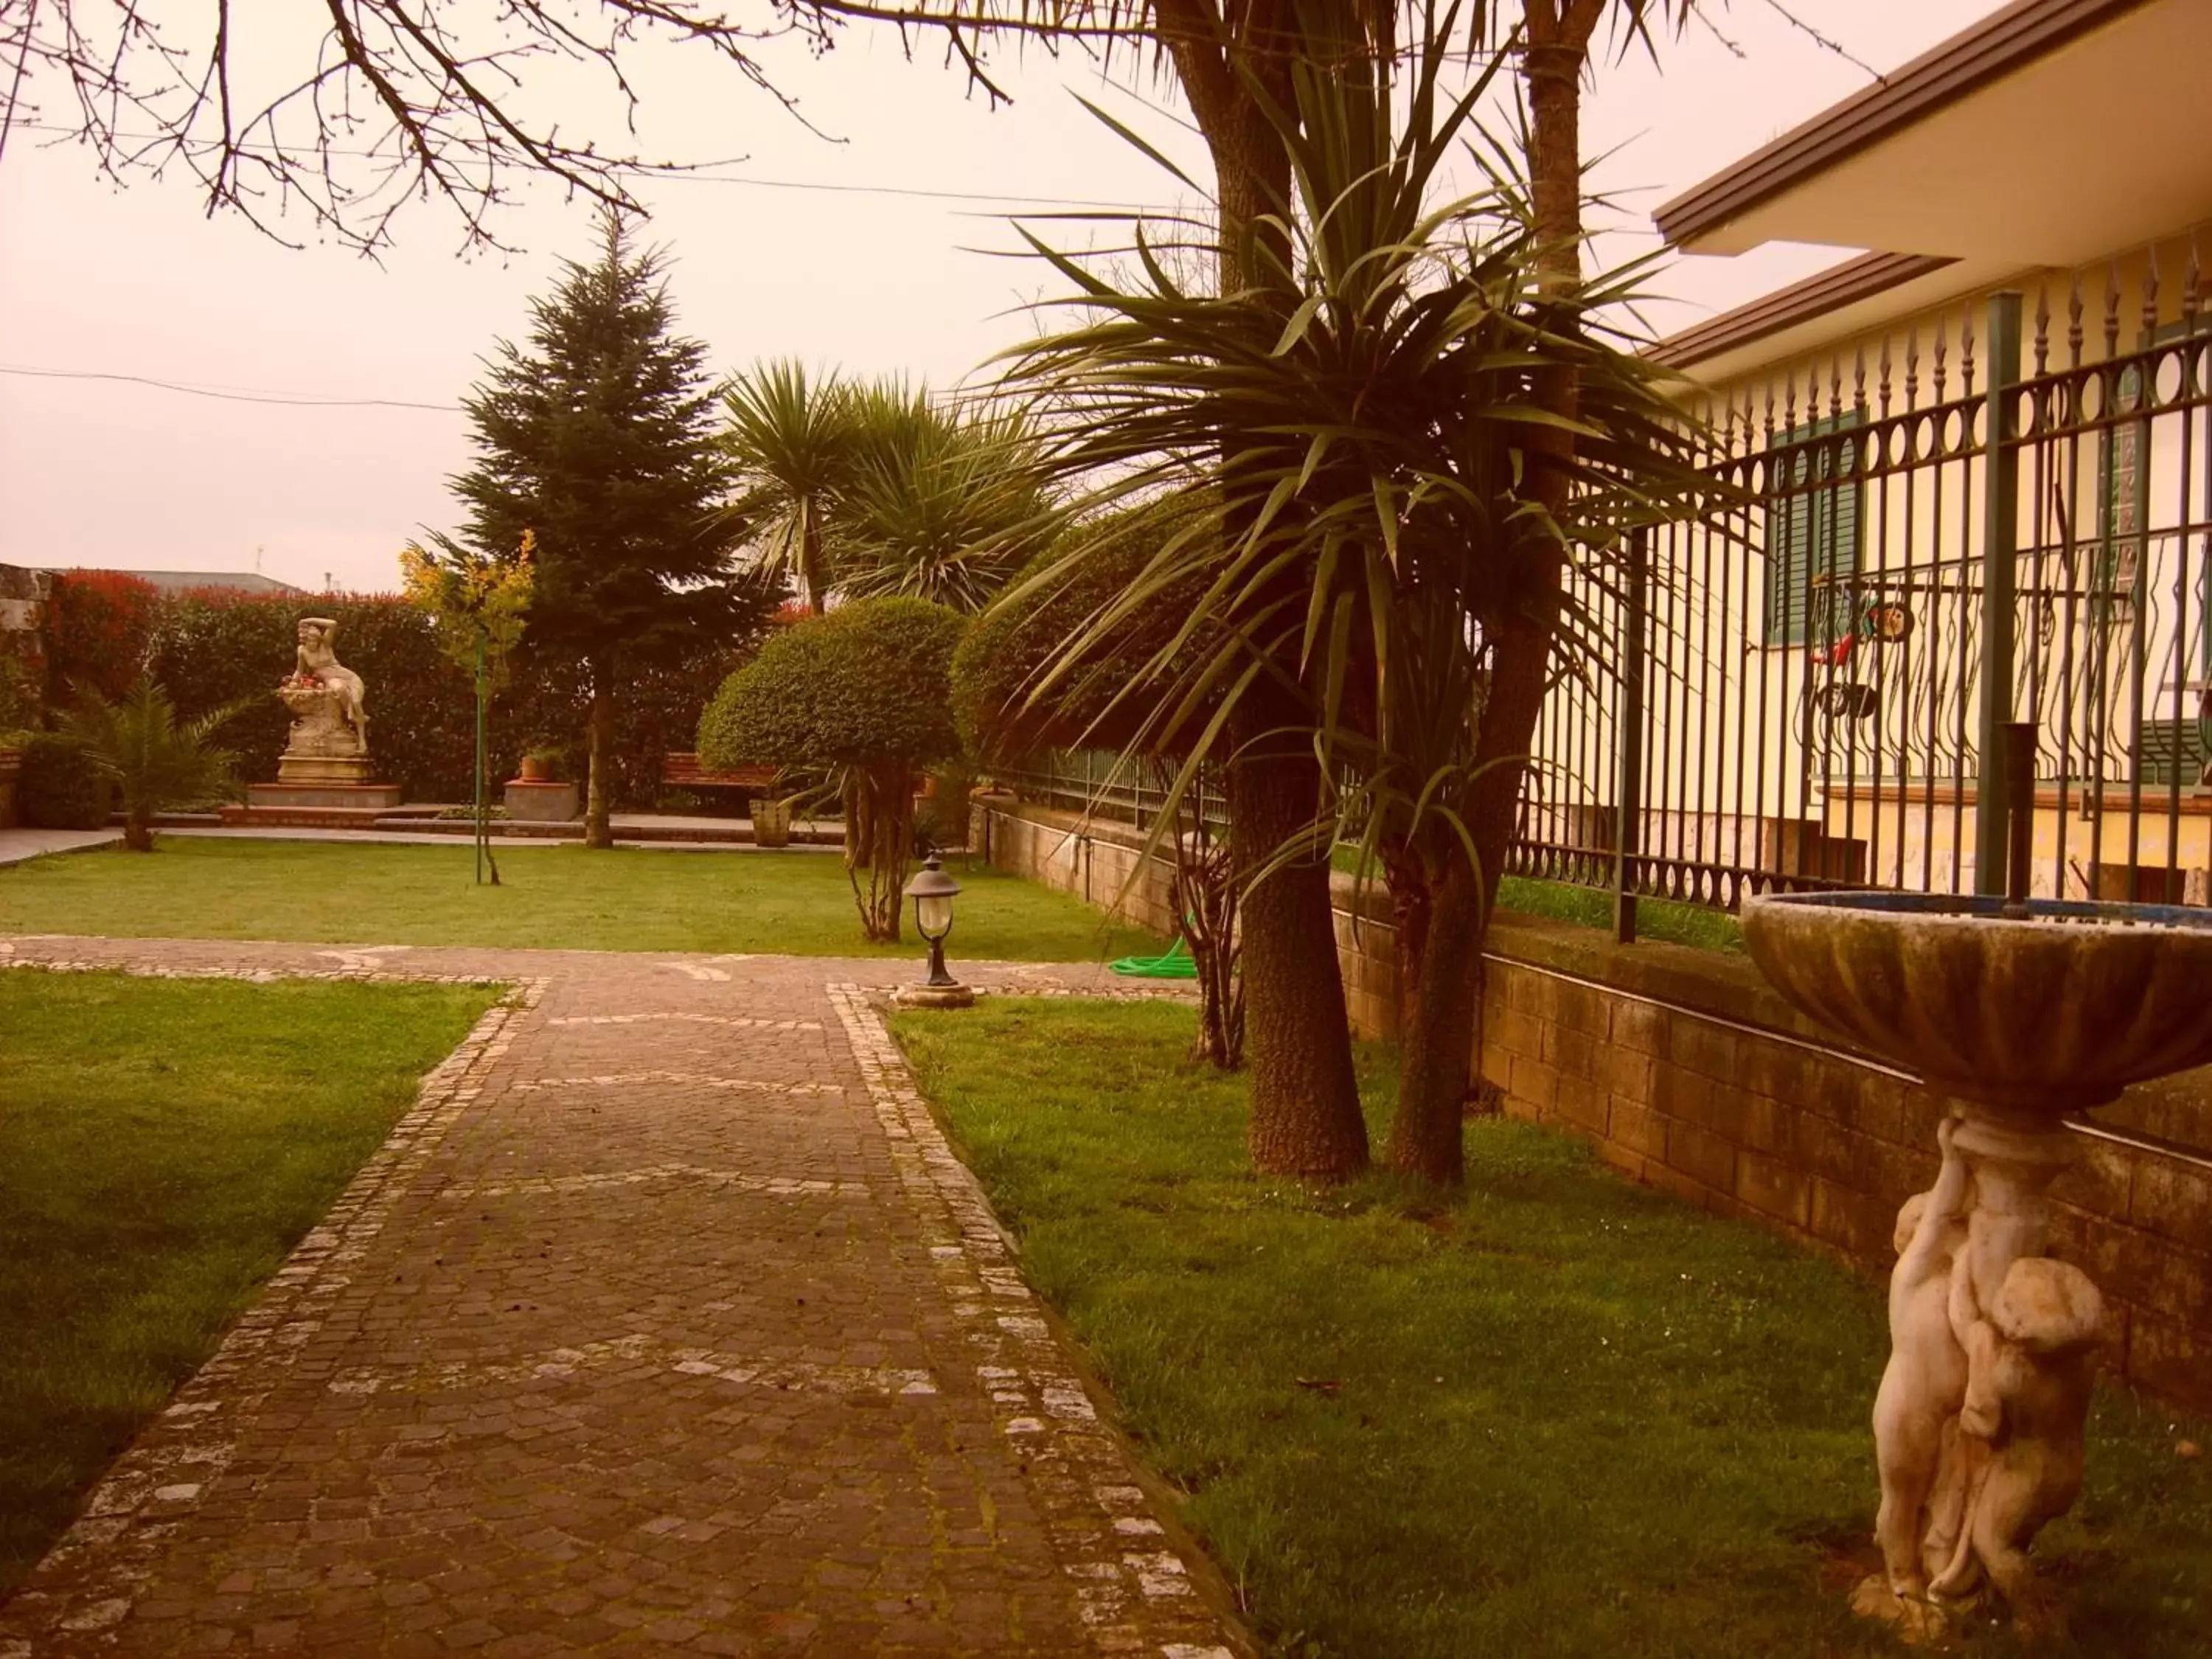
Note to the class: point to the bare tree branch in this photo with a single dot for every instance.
(406, 101)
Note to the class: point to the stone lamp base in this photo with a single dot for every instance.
(934, 996)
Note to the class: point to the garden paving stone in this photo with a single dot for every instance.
(665, 1323)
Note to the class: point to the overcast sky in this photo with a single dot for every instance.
(139, 282)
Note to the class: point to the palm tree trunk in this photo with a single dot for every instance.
(812, 576)
(1440, 1010)
(1436, 1068)
(1305, 1113)
(598, 809)
(1306, 1119)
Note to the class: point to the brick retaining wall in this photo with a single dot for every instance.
(1685, 1072)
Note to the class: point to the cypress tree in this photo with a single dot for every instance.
(601, 437)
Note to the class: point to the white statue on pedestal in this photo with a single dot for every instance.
(328, 741)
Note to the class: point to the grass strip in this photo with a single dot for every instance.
(551, 898)
(163, 1144)
(1561, 1415)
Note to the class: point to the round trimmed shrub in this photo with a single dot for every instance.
(59, 787)
(864, 693)
(867, 684)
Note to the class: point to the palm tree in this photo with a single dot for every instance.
(790, 443)
(154, 761)
(866, 488)
(944, 506)
(1354, 439)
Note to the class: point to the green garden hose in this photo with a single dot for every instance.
(1175, 964)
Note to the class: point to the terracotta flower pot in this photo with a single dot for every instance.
(537, 769)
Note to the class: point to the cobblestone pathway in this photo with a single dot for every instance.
(664, 1323)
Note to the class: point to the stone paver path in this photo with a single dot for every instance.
(664, 1323)
(20, 846)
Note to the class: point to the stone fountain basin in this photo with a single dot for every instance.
(2039, 1016)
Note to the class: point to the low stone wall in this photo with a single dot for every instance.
(1687, 1073)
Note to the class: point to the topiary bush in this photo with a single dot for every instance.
(864, 693)
(61, 786)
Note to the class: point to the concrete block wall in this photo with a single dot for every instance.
(1685, 1071)
(1091, 862)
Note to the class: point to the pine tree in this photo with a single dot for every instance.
(601, 441)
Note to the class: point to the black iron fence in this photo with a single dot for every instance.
(1099, 783)
(1997, 516)
(2001, 513)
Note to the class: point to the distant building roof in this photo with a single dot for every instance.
(184, 581)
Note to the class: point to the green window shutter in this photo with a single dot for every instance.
(1813, 534)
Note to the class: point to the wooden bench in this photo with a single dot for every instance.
(680, 769)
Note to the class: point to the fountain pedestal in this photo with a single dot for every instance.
(2019, 1015)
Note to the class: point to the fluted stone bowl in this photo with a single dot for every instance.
(2039, 1016)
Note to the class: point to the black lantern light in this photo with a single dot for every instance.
(932, 891)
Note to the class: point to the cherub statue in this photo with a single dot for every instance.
(1925, 1381)
(316, 660)
(2035, 1374)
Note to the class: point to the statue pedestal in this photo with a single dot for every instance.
(287, 792)
(323, 771)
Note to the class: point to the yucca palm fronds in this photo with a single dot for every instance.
(790, 442)
(154, 760)
(1353, 440)
(941, 505)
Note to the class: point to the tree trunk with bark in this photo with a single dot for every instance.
(599, 791)
(1305, 1113)
(812, 576)
(1441, 974)
(1306, 1119)
(1435, 1074)
(878, 839)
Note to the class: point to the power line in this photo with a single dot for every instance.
(902, 190)
(677, 175)
(236, 396)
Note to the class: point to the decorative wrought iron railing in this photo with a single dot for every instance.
(1800, 685)
(2005, 513)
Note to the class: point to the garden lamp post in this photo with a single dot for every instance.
(932, 891)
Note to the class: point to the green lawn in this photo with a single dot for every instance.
(1565, 1415)
(1677, 923)
(163, 1144)
(559, 898)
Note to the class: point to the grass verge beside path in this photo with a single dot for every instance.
(163, 1144)
(552, 898)
(1565, 1415)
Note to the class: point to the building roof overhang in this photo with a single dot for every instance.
(2050, 133)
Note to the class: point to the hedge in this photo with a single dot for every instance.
(60, 787)
(215, 648)
(98, 625)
